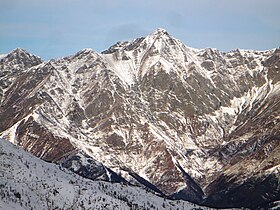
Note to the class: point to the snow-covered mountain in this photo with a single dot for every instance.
(193, 124)
(30, 183)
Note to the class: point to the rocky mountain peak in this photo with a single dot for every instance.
(20, 50)
(22, 58)
(86, 51)
(22, 54)
(85, 54)
(154, 39)
(160, 31)
(160, 36)
(14, 64)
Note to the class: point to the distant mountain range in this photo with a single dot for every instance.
(193, 124)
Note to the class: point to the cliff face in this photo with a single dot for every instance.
(196, 124)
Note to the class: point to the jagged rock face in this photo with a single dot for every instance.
(191, 123)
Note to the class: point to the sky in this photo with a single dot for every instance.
(58, 28)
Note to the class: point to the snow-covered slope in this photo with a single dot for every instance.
(30, 183)
(188, 123)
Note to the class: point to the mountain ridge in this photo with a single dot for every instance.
(171, 114)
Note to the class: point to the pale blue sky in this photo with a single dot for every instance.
(57, 28)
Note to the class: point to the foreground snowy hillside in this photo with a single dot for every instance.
(30, 183)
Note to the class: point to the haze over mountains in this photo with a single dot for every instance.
(192, 124)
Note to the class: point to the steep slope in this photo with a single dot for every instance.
(251, 175)
(30, 183)
(188, 123)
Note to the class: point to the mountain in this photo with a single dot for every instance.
(30, 183)
(193, 124)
